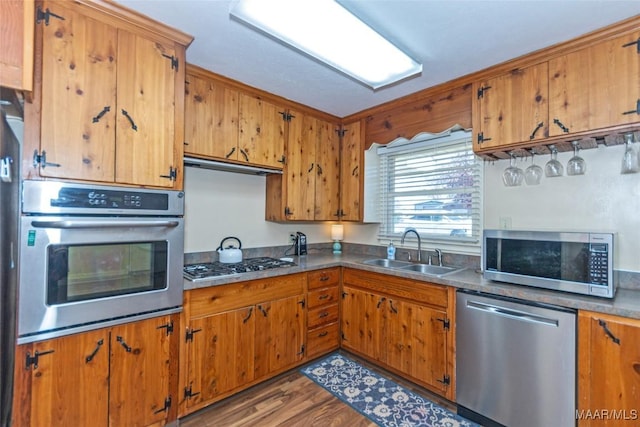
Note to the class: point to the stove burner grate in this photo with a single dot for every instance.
(201, 271)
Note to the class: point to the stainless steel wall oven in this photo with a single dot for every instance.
(91, 256)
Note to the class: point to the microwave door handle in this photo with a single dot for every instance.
(512, 314)
(70, 224)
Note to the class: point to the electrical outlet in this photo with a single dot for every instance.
(505, 222)
(292, 238)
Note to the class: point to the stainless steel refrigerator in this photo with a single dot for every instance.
(9, 215)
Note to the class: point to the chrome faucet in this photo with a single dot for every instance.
(439, 253)
(409, 230)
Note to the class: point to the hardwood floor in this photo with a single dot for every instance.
(291, 399)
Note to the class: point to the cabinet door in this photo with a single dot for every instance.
(608, 370)
(146, 111)
(363, 317)
(16, 33)
(78, 96)
(300, 170)
(327, 170)
(595, 87)
(513, 107)
(70, 383)
(279, 334)
(211, 119)
(417, 342)
(261, 139)
(220, 354)
(141, 366)
(351, 155)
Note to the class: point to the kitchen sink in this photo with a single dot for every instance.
(389, 263)
(430, 270)
(434, 270)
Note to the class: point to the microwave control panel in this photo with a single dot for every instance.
(598, 264)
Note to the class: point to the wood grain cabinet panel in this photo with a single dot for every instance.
(109, 98)
(261, 139)
(16, 48)
(323, 312)
(511, 108)
(403, 332)
(608, 370)
(595, 87)
(352, 172)
(117, 376)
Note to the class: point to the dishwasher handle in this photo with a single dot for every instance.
(510, 313)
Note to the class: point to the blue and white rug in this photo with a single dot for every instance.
(379, 399)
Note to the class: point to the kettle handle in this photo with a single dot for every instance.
(227, 238)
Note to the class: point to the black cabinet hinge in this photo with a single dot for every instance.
(41, 160)
(482, 90)
(168, 327)
(173, 174)
(287, 211)
(188, 393)
(165, 408)
(302, 303)
(189, 335)
(341, 132)
(636, 43)
(301, 350)
(44, 16)
(445, 323)
(174, 61)
(482, 138)
(286, 116)
(446, 380)
(33, 360)
(636, 111)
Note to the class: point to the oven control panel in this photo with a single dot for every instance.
(44, 197)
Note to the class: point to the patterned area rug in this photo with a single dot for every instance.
(379, 399)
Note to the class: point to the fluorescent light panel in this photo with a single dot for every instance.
(328, 32)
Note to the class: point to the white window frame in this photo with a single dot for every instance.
(429, 146)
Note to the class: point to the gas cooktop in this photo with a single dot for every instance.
(196, 272)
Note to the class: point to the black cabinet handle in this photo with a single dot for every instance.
(101, 114)
(133, 124)
(90, 357)
(533, 134)
(123, 344)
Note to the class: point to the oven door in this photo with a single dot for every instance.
(80, 273)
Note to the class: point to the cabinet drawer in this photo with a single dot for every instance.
(322, 315)
(323, 278)
(323, 297)
(322, 340)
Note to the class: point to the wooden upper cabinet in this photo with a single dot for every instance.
(111, 100)
(211, 118)
(261, 132)
(146, 128)
(608, 369)
(511, 108)
(78, 114)
(595, 87)
(351, 172)
(16, 44)
(312, 173)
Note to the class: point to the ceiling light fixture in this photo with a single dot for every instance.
(325, 30)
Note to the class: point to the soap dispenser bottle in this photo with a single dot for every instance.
(391, 251)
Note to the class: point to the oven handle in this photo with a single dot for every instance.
(67, 224)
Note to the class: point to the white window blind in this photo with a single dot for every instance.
(433, 186)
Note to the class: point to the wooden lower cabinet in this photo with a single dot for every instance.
(402, 325)
(118, 376)
(323, 327)
(239, 334)
(608, 370)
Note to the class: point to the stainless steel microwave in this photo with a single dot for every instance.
(575, 262)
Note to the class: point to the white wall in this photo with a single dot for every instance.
(221, 204)
(601, 200)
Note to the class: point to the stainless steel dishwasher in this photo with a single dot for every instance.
(515, 362)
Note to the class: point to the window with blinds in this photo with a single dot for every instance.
(433, 186)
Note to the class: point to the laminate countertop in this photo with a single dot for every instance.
(626, 302)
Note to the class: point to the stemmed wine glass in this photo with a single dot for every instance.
(576, 165)
(533, 173)
(629, 159)
(513, 175)
(553, 167)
